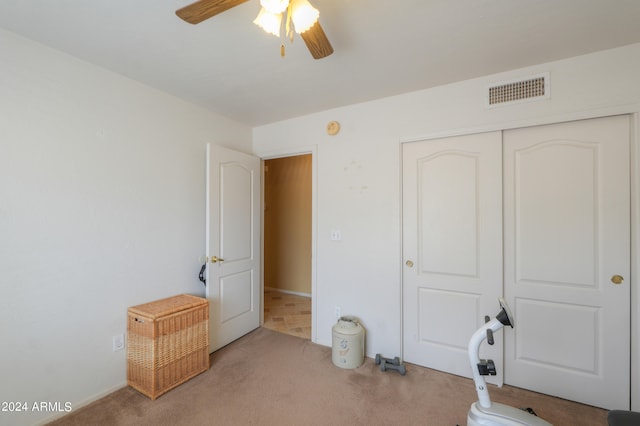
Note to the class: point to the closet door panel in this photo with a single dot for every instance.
(452, 248)
(567, 233)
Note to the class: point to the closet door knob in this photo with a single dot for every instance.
(617, 279)
(409, 263)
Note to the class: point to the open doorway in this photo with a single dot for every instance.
(287, 250)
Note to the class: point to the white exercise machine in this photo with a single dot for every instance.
(484, 412)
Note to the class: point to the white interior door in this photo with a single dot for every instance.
(232, 244)
(567, 233)
(452, 248)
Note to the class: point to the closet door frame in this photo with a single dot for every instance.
(634, 112)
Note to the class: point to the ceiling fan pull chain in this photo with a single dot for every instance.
(283, 36)
(289, 30)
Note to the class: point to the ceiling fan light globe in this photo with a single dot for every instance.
(269, 22)
(303, 15)
(274, 6)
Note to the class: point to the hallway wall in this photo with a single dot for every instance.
(287, 222)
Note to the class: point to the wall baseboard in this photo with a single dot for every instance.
(296, 293)
(83, 403)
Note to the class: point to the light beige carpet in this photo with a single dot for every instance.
(268, 378)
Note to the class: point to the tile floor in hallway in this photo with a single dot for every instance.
(287, 313)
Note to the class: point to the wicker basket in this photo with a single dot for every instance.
(167, 343)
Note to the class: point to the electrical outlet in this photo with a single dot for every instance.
(337, 312)
(118, 342)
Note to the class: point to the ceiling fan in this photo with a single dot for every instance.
(298, 15)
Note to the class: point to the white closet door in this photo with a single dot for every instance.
(452, 248)
(567, 237)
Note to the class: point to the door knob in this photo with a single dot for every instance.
(409, 263)
(617, 279)
(215, 259)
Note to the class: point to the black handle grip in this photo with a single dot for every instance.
(201, 275)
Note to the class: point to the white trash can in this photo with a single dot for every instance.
(348, 343)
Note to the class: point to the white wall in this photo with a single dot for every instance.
(102, 184)
(358, 174)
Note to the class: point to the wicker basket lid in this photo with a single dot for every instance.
(168, 306)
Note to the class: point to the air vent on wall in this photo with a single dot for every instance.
(521, 90)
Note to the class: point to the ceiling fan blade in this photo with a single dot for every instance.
(317, 41)
(205, 9)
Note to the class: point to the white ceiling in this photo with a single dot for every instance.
(382, 48)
